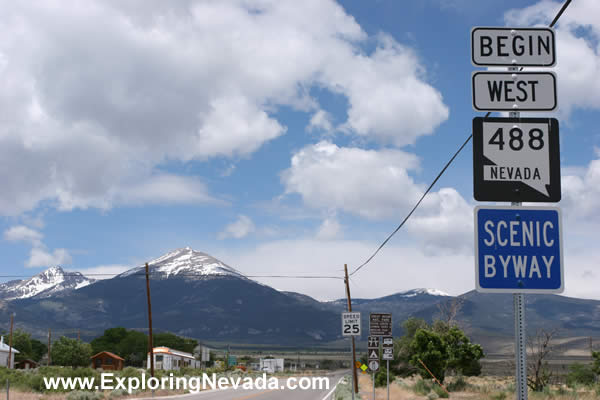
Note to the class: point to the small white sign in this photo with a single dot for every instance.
(374, 365)
(513, 47)
(351, 324)
(514, 91)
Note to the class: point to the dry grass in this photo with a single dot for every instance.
(480, 388)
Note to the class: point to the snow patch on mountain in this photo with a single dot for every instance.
(186, 262)
(47, 283)
(416, 292)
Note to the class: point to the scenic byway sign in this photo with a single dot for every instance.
(514, 91)
(513, 46)
(518, 250)
(380, 325)
(516, 159)
(351, 324)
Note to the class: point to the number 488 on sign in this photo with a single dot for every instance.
(351, 324)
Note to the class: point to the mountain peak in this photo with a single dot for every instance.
(429, 291)
(186, 261)
(46, 283)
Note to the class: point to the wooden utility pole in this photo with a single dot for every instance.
(78, 335)
(49, 336)
(150, 342)
(347, 282)
(12, 317)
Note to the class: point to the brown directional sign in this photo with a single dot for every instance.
(380, 325)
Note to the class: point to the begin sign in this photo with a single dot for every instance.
(513, 46)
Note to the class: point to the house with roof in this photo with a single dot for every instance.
(5, 350)
(107, 361)
(166, 358)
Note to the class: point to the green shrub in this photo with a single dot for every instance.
(580, 374)
(499, 396)
(422, 387)
(440, 391)
(381, 377)
(457, 385)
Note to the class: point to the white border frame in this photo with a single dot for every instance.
(479, 289)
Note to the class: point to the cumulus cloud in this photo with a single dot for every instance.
(578, 53)
(39, 256)
(97, 97)
(329, 229)
(22, 233)
(368, 183)
(581, 191)
(239, 229)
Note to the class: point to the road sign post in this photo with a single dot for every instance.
(510, 91)
(351, 327)
(518, 249)
(388, 354)
(516, 159)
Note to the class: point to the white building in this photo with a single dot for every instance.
(271, 365)
(169, 359)
(4, 350)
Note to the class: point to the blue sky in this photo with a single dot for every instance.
(279, 137)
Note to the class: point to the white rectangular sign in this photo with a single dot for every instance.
(351, 324)
(514, 91)
(513, 47)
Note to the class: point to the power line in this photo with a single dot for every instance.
(554, 21)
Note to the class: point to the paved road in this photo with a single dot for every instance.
(262, 394)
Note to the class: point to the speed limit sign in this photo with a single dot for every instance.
(351, 324)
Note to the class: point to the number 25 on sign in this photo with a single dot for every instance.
(351, 324)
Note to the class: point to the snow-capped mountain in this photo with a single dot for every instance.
(188, 263)
(416, 292)
(47, 283)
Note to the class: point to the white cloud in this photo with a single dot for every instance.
(97, 96)
(321, 120)
(22, 233)
(368, 183)
(394, 269)
(40, 257)
(329, 229)
(581, 191)
(444, 222)
(578, 52)
(102, 271)
(239, 229)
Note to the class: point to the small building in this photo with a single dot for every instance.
(271, 365)
(107, 361)
(170, 359)
(4, 352)
(26, 364)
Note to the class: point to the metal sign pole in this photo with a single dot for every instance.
(373, 385)
(352, 366)
(520, 346)
(388, 379)
(519, 302)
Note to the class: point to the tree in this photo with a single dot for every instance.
(175, 342)
(448, 310)
(129, 344)
(22, 342)
(38, 350)
(540, 348)
(463, 355)
(402, 353)
(596, 362)
(71, 353)
(429, 347)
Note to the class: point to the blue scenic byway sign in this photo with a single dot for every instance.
(518, 250)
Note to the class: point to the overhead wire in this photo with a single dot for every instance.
(368, 260)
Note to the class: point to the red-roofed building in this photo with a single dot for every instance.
(107, 360)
